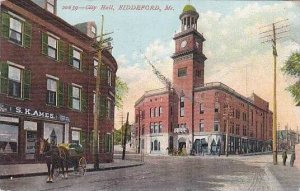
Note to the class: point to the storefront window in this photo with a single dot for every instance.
(8, 138)
(53, 132)
(76, 137)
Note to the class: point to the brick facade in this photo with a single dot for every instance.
(197, 112)
(42, 67)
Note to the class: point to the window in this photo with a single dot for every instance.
(76, 137)
(76, 97)
(217, 107)
(109, 77)
(52, 47)
(108, 143)
(156, 130)
(51, 91)
(75, 58)
(160, 127)
(95, 67)
(182, 72)
(182, 106)
(151, 128)
(156, 145)
(201, 108)
(16, 29)
(198, 73)
(156, 112)
(15, 32)
(201, 125)
(51, 6)
(216, 126)
(14, 81)
(160, 111)
(150, 113)
(9, 138)
(109, 109)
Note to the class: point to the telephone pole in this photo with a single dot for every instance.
(100, 46)
(272, 35)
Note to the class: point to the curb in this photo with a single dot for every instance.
(87, 170)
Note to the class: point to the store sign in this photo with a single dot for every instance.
(33, 113)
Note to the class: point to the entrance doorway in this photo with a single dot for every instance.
(31, 138)
(181, 144)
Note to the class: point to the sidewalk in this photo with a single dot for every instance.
(24, 170)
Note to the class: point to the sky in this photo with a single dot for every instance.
(236, 56)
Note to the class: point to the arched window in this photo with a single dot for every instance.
(155, 145)
(159, 146)
(160, 111)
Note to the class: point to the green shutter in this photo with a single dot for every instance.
(3, 77)
(81, 61)
(5, 25)
(103, 106)
(60, 98)
(61, 47)
(71, 55)
(70, 93)
(103, 73)
(44, 44)
(83, 101)
(83, 140)
(26, 84)
(27, 34)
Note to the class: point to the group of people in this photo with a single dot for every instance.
(292, 160)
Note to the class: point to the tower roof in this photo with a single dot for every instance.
(188, 8)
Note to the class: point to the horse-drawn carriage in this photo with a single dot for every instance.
(61, 157)
(74, 158)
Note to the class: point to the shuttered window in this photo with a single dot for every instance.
(14, 81)
(16, 30)
(75, 58)
(76, 98)
(52, 47)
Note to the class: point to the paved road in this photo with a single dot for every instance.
(159, 173)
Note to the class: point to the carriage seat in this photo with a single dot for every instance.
(73, 148)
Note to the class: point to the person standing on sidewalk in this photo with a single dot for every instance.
(293, 157)
(284, 157)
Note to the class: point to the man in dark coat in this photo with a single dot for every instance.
(293, 157)
(284, 157)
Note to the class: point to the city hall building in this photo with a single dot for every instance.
(195, 116)
(48, 82)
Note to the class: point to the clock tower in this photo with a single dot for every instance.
(188, 70)
(188, 67)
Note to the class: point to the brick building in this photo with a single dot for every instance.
(194, 115)
(47, 82)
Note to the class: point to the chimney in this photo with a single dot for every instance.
(88, 28)
(49, 5)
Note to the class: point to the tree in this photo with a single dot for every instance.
(292, 68)
(121, 91)
(118, 134)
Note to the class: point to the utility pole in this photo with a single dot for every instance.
(272, 35)
(125, 137)
(139, 118)
(100, 47)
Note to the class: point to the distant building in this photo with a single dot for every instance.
(47, 83)
(193, 116)
(287, 139)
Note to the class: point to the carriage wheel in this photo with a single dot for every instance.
(82, 166)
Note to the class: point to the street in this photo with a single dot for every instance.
(163, 173)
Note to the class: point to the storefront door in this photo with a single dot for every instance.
(31, 138)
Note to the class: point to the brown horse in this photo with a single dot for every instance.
(55, 157)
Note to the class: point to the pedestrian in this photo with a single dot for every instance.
(293, 157)
(284, 157)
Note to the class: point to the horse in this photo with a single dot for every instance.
(55, 157)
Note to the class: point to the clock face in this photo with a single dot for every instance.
(183, 44)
